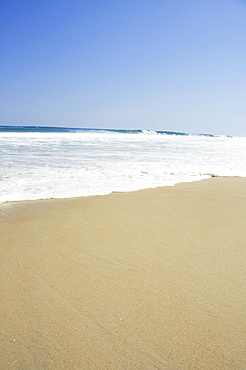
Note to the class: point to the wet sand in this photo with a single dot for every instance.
(153, 279)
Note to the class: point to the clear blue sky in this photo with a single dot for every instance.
(176, 65)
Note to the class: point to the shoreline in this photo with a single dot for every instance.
(122, 192)
(153, 278)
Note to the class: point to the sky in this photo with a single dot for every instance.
(150, 64)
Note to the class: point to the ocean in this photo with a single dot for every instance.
(51, 162)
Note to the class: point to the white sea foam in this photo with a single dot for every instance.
(38, 165)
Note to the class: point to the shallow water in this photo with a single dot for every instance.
(44, 163)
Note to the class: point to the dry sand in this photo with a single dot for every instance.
(154, 279)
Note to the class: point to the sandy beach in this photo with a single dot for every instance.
(153, 279)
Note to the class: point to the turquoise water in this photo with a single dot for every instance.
(70, 129)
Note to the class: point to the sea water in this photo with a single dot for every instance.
(44, 162)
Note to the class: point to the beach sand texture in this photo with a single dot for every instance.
(153, 279)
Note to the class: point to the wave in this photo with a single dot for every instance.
(46, 129)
